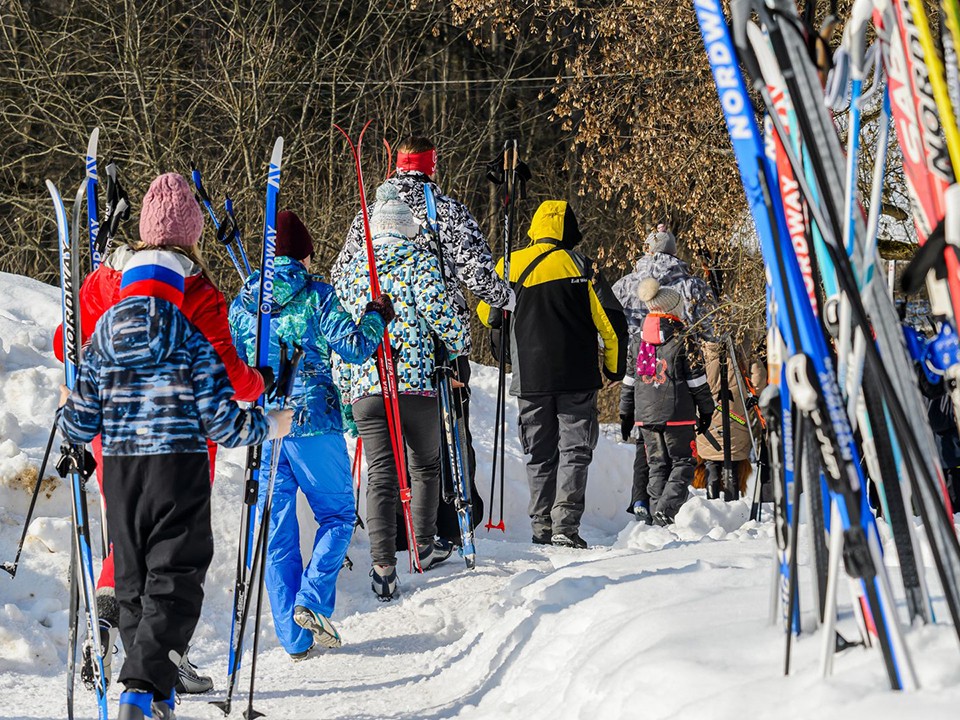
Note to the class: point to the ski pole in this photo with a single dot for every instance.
(235, 232)
(205, 200)
(793, 606)
(11, 567)
(356, 470)
(511, 181)
(285, 378)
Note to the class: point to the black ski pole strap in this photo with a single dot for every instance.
(118, 209)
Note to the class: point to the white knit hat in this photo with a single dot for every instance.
(391, 216)
(661, 241)
(658, 298)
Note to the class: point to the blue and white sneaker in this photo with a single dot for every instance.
(324, 633)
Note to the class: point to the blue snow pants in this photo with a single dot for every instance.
(320, 468)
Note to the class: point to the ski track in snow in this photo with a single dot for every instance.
(647, 623)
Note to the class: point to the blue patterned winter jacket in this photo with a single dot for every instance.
(411, 276)
(152, 384)
(306, 311)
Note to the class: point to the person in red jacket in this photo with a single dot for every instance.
(170, 219)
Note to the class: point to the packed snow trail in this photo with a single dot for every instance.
(649, 622)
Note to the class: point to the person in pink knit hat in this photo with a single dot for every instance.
(170, 219)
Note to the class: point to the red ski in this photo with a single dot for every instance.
(386, 369)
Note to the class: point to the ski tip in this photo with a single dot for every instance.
(277, 155)
(92, 146)
(81, 191)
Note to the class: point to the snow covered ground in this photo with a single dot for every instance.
(647, 623)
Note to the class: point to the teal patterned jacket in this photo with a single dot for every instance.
(411, 276)
(307, 311)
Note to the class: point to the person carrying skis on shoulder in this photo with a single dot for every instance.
(314, 457)
(469, 264)
(155, 389)
(660, 262)
(170, 219)
(666, 391)
(411, 276)
(562, 304)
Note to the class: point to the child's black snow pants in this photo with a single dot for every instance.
(158, 515)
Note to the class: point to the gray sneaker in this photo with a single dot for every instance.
(572, 540)
(384, 581)
(324, 633)
(190, 681)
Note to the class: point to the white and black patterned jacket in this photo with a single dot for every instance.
(467, 257)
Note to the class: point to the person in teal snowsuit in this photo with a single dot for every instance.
(314, 456)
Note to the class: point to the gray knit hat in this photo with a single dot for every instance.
(661, 241)
(658, 298)
(391, 216)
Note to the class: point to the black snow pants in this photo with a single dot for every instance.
(158, 510)
(421, 435)
(641, 477)
(670, 456)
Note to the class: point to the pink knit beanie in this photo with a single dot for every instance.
(170, 214)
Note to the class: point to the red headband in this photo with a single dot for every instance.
(425, 162)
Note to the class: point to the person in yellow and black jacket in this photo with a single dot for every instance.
(563, 304)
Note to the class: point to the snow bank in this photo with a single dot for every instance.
(648, 623)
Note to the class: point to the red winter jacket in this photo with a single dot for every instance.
(204, 306)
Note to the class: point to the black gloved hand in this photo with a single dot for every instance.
(383, 305)
(626, 427)
(703, 423)
(269, 379)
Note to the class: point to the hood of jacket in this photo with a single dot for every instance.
(391, 252)
(289, 278)
(555, 219)
(141, 331)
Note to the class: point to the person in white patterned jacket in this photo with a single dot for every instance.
(468, 264)
(661, 263)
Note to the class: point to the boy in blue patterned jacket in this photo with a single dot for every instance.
(314, 457)
(425, 314)
(155, 388)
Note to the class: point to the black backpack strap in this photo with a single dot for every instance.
(518, 285)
